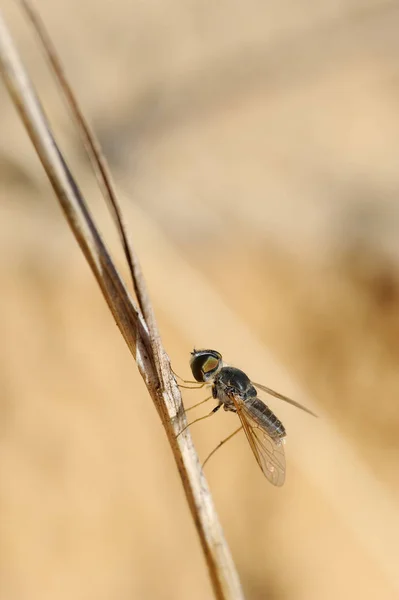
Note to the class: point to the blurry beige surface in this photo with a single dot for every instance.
(256, 146)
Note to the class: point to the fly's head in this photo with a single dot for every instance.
(205, 364)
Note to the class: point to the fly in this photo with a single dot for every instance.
(233, 390)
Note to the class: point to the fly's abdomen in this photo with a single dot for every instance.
(265, 417)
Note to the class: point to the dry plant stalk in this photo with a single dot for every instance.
(136, 323)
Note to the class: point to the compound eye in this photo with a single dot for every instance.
(205, 364)
(210, 365)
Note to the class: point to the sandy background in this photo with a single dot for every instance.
(256, 148)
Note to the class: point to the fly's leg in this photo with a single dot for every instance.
(220, 445)
(199, 403)
(200, 419)
(194, 385)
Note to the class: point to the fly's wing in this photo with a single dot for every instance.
(268, 450)
(281, 397)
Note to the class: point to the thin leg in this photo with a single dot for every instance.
(192, 387)
(199, 403)
(220, 445)
(200, 419)
(198, 383)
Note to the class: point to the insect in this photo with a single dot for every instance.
(233, 390)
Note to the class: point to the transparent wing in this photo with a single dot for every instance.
(281, 397)
(268, 450)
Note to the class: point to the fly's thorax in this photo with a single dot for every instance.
(205, 364)
(232, 382)
(236, 381)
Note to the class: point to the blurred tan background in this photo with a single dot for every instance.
(256, 148)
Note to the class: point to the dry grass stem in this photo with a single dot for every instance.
(136, 323)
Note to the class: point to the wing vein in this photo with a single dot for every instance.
(267, 449)
(282, 397)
